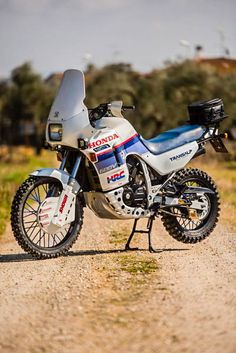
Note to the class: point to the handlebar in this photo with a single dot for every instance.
(128, 107)
(100, 111)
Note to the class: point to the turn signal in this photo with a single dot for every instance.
(93, 157)
(59, 157)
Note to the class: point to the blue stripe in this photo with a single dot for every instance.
(132, 142)
(105, 156)
(134, 145)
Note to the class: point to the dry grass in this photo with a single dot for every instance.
(224, 174)
(14, 169)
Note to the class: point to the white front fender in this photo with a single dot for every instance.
(58, 174)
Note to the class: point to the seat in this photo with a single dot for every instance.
(174, 138)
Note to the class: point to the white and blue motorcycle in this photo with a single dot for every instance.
(107, 166)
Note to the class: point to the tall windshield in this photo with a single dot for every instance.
(70, 96)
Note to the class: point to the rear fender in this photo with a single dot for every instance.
(198, 190)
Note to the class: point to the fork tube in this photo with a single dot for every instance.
(63, 162)
(76, 167)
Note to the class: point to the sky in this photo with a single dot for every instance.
(59, 34)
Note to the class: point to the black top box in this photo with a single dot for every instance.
(207, 112)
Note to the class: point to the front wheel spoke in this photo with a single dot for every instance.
(31, 221)
(36, 235)
(63, 235)
(38, 194)
(33, 199)
(58, 237)
(33, 209)
(28, 211)
(44, 240)
(32, 226)
(45, 188)
(40, 237)
(35, 196)
(54, 240)
(29, 214)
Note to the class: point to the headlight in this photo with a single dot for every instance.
(55, 132)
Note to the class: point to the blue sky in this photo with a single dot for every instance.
(56, 34)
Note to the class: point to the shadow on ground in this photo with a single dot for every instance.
(27, 257)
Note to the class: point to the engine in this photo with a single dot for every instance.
(135, 193)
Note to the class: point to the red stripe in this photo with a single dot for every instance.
(129, 139)
(104, 152)
(116, 146)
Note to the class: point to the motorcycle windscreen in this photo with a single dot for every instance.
(70, 96)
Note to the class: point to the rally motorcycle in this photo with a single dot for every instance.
(108, 166)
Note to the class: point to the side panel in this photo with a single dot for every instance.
(111, 145)
(172, 160)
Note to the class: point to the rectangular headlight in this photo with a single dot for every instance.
(55, 132)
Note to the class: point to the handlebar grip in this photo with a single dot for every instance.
(128, 107)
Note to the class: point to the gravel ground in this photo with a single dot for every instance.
(95, 300)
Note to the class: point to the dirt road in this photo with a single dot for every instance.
(102, 300)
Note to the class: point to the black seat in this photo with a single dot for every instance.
(174, 138)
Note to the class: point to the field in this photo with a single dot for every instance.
(13, 171)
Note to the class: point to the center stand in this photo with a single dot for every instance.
(147, 231)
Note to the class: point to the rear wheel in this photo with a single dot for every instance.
(188, 225)
(29, 233)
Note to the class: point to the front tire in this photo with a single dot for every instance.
(179, 230)
(26, 229)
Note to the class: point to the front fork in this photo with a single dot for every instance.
(65, 210)
(72, 181)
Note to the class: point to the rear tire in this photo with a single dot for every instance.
(171, 224)
(20, 205)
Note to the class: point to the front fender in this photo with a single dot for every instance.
(58, 174)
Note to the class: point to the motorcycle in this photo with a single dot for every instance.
(110, 168)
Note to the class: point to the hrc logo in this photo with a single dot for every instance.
(115, 177)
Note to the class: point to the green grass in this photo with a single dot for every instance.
(12, 174)
(119, 236)
(5, 197)
(133, 264)
(136, 265)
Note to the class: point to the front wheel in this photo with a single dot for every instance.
(188, 225)
(26, 227)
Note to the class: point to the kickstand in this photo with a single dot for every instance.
(148, 231)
